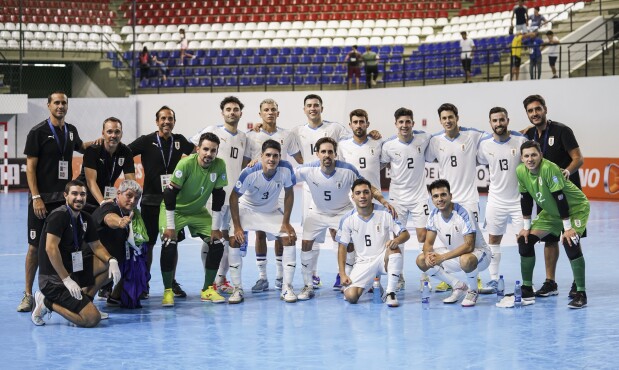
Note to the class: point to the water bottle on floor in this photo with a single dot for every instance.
(243, 246)
(500, 289)
(376, 291)
(518, 295)
(425, 296)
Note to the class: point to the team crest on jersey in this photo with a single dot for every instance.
(338, 184)
(463, 147)
(419, 149)
(551, 140)
(539, 180)
(121, 161)
(278, 184)
(456, 228)
(514, 152)
(177, 145)
(70, 136)
(281, 141)
(372, 151)
(577, 222)
(239, 184)
(223, 176)
(555, 179)
(213, 176)
(178, 174)
(378, 228)
(33, 234)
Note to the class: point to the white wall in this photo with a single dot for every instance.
(587, 105)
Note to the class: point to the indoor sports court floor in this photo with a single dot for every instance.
(326, 332)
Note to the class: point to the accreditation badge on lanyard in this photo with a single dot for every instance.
(77, 260)
(63, 165)
(166, 178)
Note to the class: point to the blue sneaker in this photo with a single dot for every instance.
(316, 282)
(490, 287)
(337, 285)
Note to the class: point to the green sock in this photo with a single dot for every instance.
(168, 277)
(526, 269)
(578, 269)
(209, 278)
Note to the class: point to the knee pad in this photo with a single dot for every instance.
(215, 252)
(574, 251)
(168, 255)
(527, 249)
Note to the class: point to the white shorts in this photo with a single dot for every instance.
(225, 218)
(270, 223)
(418, 214)
(497, 217)
(308, 202)
(316, 225)
(521, 28)
(453, 265)
(364, 271)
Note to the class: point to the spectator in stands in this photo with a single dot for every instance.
(537, 20)
(370, 64)
(553, 51)
(466, 55)
(516, 51)
(534, 43)
(161, 66)
(184, 44)
(520, 12)
(353, 60)
(144, 63)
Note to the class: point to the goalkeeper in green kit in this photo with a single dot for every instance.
(563, 209)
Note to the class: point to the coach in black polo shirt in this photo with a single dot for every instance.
(558, 145)
(103, 164)
(160, 153)
(49, 151)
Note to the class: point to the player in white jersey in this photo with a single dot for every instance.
(404, 154)
(254, 206)
(377, 237)
(501, 152)
(307, 135)
(361, 150)
(455, 149)
(233, 150)
(328, 180)
(465, 248)
(269, 130)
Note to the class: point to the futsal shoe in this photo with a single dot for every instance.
(306, 294)
(490, 287)
(39, 310)
(316, 282)
(459, 291)
(337, 285)
(168, 298)
(470, 299)
(279, 282)
(579, 301)
(178, 291)
(262, 285)
(211, 295)
(237, 296)
(573, 291)
(527, 293)
(548, 288)
(225, 288)
(288, 295)
(442, 287)
(26, 303)
(391, 300)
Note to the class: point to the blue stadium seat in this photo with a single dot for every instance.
(275, 70)
(325, 79)
(205, 61)
(188, 72)
(385, 49)
(337, 80)
(231, 81)
(200, 53)
(244, 81)
(218, 81)
(230, 61)
(297, 51)
(331, 59)
(318, 59)
(262, 70)
(193, 82)
(244, 60)
(175, 72)
(154, 83)
(340, 69)
(117, 64)
(175, 54)
(111, 55)
(168, 83)
(272, 51)
(314, 70)
(301, 70)
(398, 49)
(223, 52)
(310, 50)
(249, 70)
(211, 53)
(217, 61)
(298, 80)
(260, 52)
(179, 82)
(306, 59)
(285, 51)
(204, 82)
(287, 70)
(284, 80)
(257, 81)
(281, 59)
(310, 80)
(294, 59)
(271, 80)
(235, 52)
(328, 69)
(322, 50)
(171, 62)
(144, 83)
(269, 59)
(255, 60)
(247, 52)
(335, 50)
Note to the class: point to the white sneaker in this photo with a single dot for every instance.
(458, 292)
(288, 295)
(39, 310)
(104, 315)
(470, 299)
(306, 294)
(391, 300)
(237, 296)
(424, 278)
(279, 282)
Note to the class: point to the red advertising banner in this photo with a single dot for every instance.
(599, 178)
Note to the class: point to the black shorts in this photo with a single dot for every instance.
(515, 61)
(552, 61)
(59, 294)
(550, 238)
(466, 64)
(35, 225)
(150, 215)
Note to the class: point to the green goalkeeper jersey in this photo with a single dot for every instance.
(197, 183)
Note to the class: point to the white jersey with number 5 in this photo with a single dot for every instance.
(502, 159)
(369, 236)
(407, 161)
(232, 149)
(457, 160)
(329, 193)
(452, 231)
(307, 136)
(365, 156)
(261, 193)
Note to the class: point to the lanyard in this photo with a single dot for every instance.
(122, 214)
(66, 134)
(161, 149)
(111, 175)
(535, 137)
(74, 225)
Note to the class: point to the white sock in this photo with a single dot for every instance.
(236, 265)
(350, 261)
(279, 267)
(471, 278)
(289, 260)
(315, 254)
(493, 269)
(223, 265)
(440, 273)
(261, 263)
(394, 269)
(306, 270)
(203, 254)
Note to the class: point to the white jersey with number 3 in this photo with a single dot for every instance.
(365, 156)
(457, 160)
(502, 159)
(369, 236)
(260, 193)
